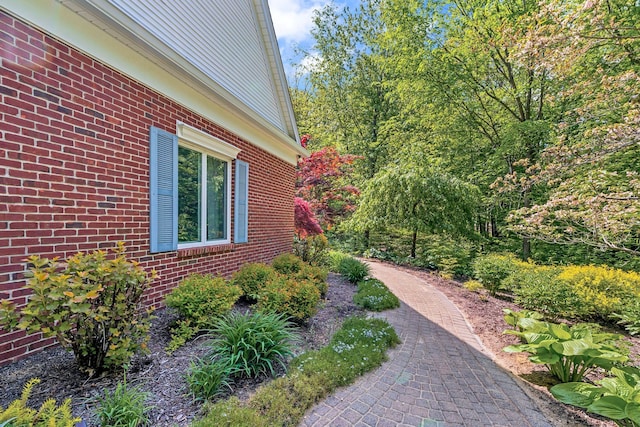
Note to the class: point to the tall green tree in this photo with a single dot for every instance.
(417, 199)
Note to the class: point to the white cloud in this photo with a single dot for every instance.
(292, 18)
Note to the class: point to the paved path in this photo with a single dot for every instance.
(439, 376)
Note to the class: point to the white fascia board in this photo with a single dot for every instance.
(136, 59)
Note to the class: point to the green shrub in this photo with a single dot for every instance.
(253, 344)
(199, 299)
(312, 250)
(287, 264)
(91, 304)
(352, 269)
(316, 275)
(629, 316)
(616, 398)
(540, 290)
(473, 285)
(569, 353)
(18, 414)
(124, 407)
(492, 269)
(601, 290)
(373, 295)
(208, 379)
(252, 277)
(297, 299)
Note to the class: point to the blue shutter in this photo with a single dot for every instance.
(241, 220)
(164, 190)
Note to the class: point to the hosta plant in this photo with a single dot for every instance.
(519, 319)
(568, 352)
(617, 397)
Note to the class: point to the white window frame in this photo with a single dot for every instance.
(208, 145)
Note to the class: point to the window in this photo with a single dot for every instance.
(191, 190)
(203, 194)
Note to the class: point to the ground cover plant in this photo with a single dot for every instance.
(91, 305)
(373, 295)
(357, 347)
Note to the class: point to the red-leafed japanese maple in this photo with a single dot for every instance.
(321, 182)
(306, 223)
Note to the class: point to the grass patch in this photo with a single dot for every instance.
(375, 296)
(359, 346)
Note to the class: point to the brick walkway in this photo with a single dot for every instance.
(439, 376)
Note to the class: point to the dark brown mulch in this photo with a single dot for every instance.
(158, 373)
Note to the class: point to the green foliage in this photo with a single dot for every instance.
(124, 407)
(352, 269)
(295, 298)
(492, 269)
(312, 250)
(601, 290)
(18, 414)
(207, 379)
(287, 264)
(199, 299)
(92, 304)
(629, 316)
(616, 398)
(519, 319)
(358, 347)
(472, 285)
(577, 292)
(538, 289)
(316, 275)
(231, 413)
(335, 258)
(569, 353)
(251, 278)
(253, 344)
(373, 295)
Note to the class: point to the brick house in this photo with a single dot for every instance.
(167, 125)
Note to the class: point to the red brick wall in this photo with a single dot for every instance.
(74, 171)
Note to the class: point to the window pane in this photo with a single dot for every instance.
(216, 200)
(189, 173)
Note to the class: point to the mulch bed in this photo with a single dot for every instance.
(158, 373)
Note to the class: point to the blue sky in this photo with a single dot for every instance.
(292, 22)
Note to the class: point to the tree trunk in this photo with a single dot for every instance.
(367, 238)
(414, 239)
(526, 242)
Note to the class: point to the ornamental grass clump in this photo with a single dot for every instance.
(123, 407)
(352, 269)
(92, 304)
(253, 344)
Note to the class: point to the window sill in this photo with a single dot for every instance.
(205, 250)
